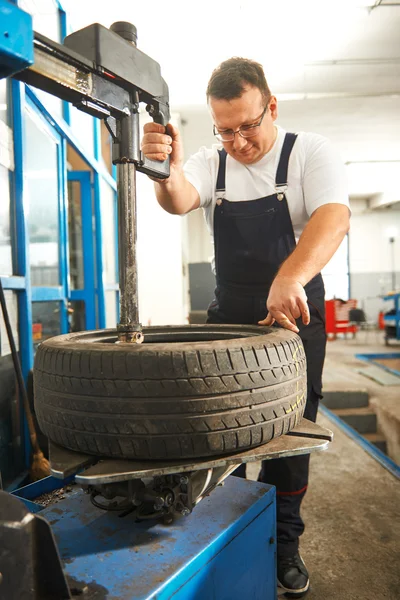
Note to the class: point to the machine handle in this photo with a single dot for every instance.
(156, 168)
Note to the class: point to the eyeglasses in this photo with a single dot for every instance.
(246, 131)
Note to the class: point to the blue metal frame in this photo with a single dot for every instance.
(43, 294)
(371, 359)
(65, 130)
(99, 170)
(20, 247)
(22, 95)
(372, 450)
(13, 283)
(47, 294)
(87, 294)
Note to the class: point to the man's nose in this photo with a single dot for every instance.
(239, 142)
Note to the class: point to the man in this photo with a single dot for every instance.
(277, 207)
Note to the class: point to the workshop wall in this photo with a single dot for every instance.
(355, 125)
(373, 258)
(162, 249)
(159, 258)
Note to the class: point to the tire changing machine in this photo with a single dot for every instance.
(226, 548)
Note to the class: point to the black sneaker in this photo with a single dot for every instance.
(293, 576)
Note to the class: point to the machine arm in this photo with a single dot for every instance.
(109, 89)
(102, 73)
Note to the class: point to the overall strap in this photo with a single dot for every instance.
(282, 171)
(220, 187)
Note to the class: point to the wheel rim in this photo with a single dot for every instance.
(175, 334)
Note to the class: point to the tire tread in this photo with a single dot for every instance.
(169, 404)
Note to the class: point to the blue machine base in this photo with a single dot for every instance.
(224, 550)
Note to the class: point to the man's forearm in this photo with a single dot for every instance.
(319, 241)
(176, 195)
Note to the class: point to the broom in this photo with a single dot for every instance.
(40, 466)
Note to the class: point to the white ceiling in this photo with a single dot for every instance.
(306, 47)
(334, 66)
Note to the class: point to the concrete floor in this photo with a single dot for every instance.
(351, 544)
(340, 373)
(352, 540)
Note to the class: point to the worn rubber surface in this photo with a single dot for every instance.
(188, 391)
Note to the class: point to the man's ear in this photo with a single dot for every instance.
(273, 106)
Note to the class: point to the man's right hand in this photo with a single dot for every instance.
(159, 142)
(175, 194)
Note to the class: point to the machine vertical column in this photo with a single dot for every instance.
(129, 328)
(126, 150)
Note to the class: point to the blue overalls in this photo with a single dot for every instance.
(252, 239)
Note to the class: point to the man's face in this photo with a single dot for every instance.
(246, 110)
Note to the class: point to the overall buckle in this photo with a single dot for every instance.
(280, 191)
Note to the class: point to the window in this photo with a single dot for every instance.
(336, 273)
(41, 160)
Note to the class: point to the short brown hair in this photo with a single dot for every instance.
(229, 79)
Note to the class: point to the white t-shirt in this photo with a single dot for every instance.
(316, 176)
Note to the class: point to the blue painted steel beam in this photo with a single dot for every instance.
(13, 283)
(47, 294)
(21, 249)
(372, 450)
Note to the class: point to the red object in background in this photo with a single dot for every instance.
(381, 320)
(337, 317)
(37, 331)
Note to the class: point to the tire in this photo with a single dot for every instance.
(186, 392)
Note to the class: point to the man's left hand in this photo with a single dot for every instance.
(286, 302)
